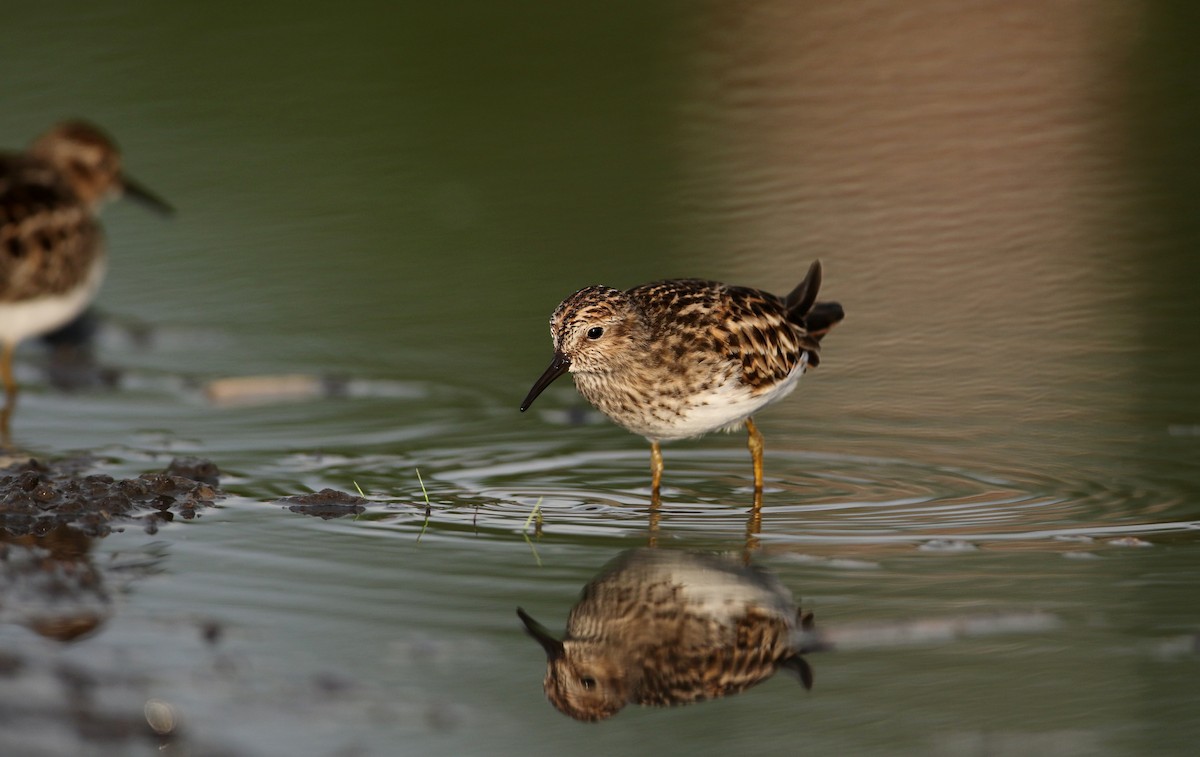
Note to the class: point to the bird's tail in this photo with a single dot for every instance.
(823, 317)
(802, 306)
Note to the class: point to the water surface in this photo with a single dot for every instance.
(1007, 423)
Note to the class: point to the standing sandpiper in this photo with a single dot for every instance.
(680, 358)
(51, 248)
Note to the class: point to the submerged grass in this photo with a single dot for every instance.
(424, 492)
(428, 506)
(535, 517)
(536, 512)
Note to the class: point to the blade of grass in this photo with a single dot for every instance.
(428, 507)
(360, 493)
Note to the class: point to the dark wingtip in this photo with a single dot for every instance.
(806, 674)
(801, 299)
(822, 317)
(799, 667)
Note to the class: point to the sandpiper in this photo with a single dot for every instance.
(52, 259)
(680, 358)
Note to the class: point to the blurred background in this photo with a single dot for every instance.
(390, 200)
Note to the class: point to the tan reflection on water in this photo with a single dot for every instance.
(664, 627)
(959, 169)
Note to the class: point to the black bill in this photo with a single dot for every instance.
(136, 191)
(558, 366)
(553, 647)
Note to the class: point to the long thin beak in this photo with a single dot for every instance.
(558, 366)
(553, 647)
(136, 191)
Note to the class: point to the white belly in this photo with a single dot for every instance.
(723, 408)
(41, 315)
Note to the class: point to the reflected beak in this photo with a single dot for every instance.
(553, 647)
(558, 366)
(136, 191)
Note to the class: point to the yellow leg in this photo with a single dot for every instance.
(10, 384)
(656, 468)
(10, 388)
(655, 517)
(756, 453)
(753, 528)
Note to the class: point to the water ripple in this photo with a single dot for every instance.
(836, 499)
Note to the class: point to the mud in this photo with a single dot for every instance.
(36, 497)
(327, 504)
(51, 515)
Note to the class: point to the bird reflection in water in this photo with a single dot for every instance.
(49, 584)
(663, 627)
(753, 525)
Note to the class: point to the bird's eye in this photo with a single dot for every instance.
(588, 682)
(595, 332)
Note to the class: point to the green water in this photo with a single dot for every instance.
(1008, 422)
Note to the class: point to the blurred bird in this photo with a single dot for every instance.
(52, 258)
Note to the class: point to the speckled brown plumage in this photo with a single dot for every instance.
(663, 627)
(683, 357)
(49, 238)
